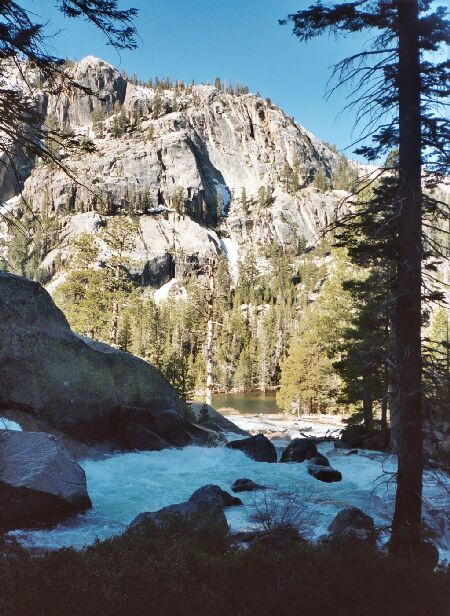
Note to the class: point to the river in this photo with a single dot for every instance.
(248, 402)
(125, 484)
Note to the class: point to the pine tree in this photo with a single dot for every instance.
(320, 180)
(402, 82)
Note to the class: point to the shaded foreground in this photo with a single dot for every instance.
(173, 571)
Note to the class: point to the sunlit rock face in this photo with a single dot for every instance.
(198, 142)
(79, 386)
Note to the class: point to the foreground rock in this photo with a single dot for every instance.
(81, 387)
(39, 481)
(320, 469)
(257, 447)
(353, 522)
(299, 450)
(246, 485)
(204, 510)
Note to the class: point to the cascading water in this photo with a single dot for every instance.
(123, 485)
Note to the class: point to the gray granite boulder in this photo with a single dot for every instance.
(257, 447)
(353, 522)
(40, 482)
(299, 450)
(319, 468)
(81, 387)
(204, 511)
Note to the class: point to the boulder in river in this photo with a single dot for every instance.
(319, 468)
(299, 450)
(204, 510)
(257, 447)
(246, 485)
(353, 522)
(215, 494)
(40, 483)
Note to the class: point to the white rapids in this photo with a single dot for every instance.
(125, 484)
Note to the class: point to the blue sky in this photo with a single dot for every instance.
(237, 40)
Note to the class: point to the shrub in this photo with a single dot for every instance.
(171, 571)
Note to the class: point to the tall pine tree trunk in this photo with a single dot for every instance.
(367, 408)
(406, 525)
(210, 335)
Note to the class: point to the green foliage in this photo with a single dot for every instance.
(32, 238)
(135, 574)
(265, 198)
(308, 381)
(320, 180)
(175, 367)
(290, 177)
(86, 251)
(345, 177)
(120, 122)
(204, 417)
(178, 200)
(157, 107)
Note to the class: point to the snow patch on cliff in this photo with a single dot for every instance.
(231, 250)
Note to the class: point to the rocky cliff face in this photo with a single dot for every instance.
(197, 150)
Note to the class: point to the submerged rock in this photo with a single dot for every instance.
(246, 485)
(40, 482)
(214, 494)
(299, 450)
(353, 522)
(204, 510)
(257, 447)
(319, 468)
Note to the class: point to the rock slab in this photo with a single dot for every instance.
(76, 385)
(40, 482)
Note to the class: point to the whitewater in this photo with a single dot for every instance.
(125, 484)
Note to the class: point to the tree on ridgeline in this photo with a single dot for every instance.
(397, 96)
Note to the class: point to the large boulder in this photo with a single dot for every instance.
(319, 468)
(81, 387)
(39, 481)
(204, 511)
(257, 447)
(353, 522)
(299, 450)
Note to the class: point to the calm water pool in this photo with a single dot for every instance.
(252, 402)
